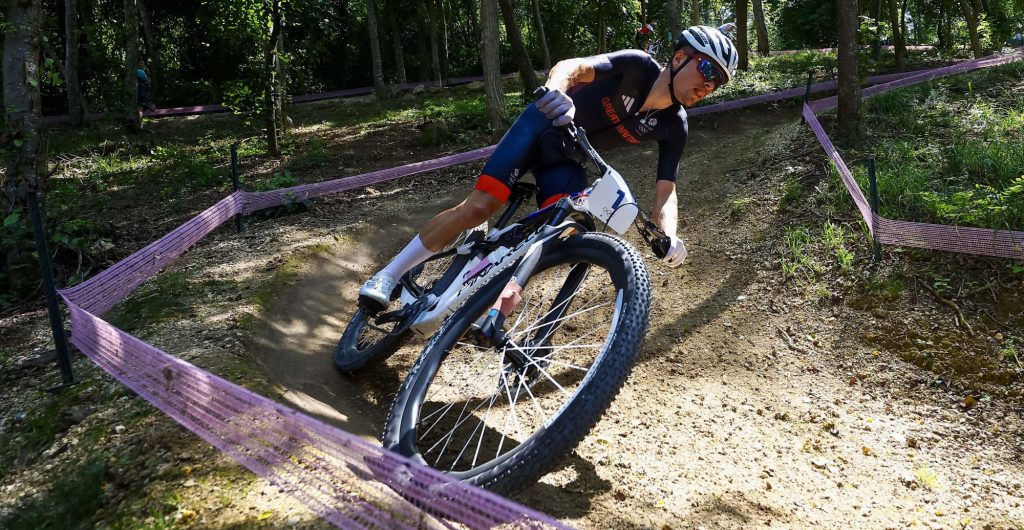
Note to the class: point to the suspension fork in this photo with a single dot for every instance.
(492, 326)
(560, 305)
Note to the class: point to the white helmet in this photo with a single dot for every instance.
(713, 43)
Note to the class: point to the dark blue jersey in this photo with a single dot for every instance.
(608, 108)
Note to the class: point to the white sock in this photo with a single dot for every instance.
(412, 255)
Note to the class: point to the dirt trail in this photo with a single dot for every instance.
(723, 423)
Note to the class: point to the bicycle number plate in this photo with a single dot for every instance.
(612, 203)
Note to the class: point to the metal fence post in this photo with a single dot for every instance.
(235, 182)
(807, 95)
(60, 340)
(873, 181)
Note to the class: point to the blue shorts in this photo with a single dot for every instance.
(532, 144)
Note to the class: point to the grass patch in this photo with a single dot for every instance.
(68, 505)
(796, 261)
(949, 151)
(160, 299)
(835, 238)
(23, 441)
(740, 206)
(792, 191)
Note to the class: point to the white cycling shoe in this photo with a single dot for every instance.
(375, 294)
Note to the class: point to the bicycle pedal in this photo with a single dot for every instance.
(392, 316)
(370, 305)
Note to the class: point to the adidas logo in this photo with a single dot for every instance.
(627, 102)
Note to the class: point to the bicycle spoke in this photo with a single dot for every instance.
(566, 317)
(484, 402)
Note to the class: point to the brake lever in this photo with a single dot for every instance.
(660, 243)
(577, 136)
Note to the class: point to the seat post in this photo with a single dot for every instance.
(521, 191)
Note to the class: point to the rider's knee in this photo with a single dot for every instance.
(476, 210)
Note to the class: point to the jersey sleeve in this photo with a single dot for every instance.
(620, 62)
(670, 150)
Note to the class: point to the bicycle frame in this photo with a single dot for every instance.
(506, 245)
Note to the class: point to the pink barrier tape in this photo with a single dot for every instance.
(964, 239)
(844, 172)
(266, 199)
(346, 480)
(968, 240)
(791, 93)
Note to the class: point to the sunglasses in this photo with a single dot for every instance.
(710, 71)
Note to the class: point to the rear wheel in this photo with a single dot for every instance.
(365, 341)
(500, 417)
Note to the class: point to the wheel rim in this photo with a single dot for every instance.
(484, 403)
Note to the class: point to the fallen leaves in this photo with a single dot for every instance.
(927, 477)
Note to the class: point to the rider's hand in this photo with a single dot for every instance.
(676, 254)
(557, 107)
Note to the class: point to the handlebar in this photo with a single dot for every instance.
(584, 152)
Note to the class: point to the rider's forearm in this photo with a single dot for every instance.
(665, 212)
(569, 72)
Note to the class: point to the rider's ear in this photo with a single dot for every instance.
(678, 58)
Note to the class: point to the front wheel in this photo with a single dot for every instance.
(500, 417)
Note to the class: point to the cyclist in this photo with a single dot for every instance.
(620, 98)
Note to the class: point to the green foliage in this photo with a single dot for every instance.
(949, 151)
(796, 260)
(72, 243)
(807, 24)
(278, 180)
(245, 99)
(1010, 352)
(835, 237)
(791, 193)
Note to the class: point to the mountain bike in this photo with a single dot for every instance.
(534, 327)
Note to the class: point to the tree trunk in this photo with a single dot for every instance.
(132, 112)
(761, 28)
(903, 27)
(490, 57)
(849, 77)
(876, 43)
(694, 12)
(442, 12)
(270, 89)
(281, 86)
(152, 46)
(645, 44)
(741, 34)
(378, 68)
(972, 26)
(76, 109)
(897, 36)
(22, 136)
(939, 25)
(675, 23)
(396, 43)
(539, 21)
(984, 5)
(522, 57)
(432, 11)
(602, 30)
(473, 19)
